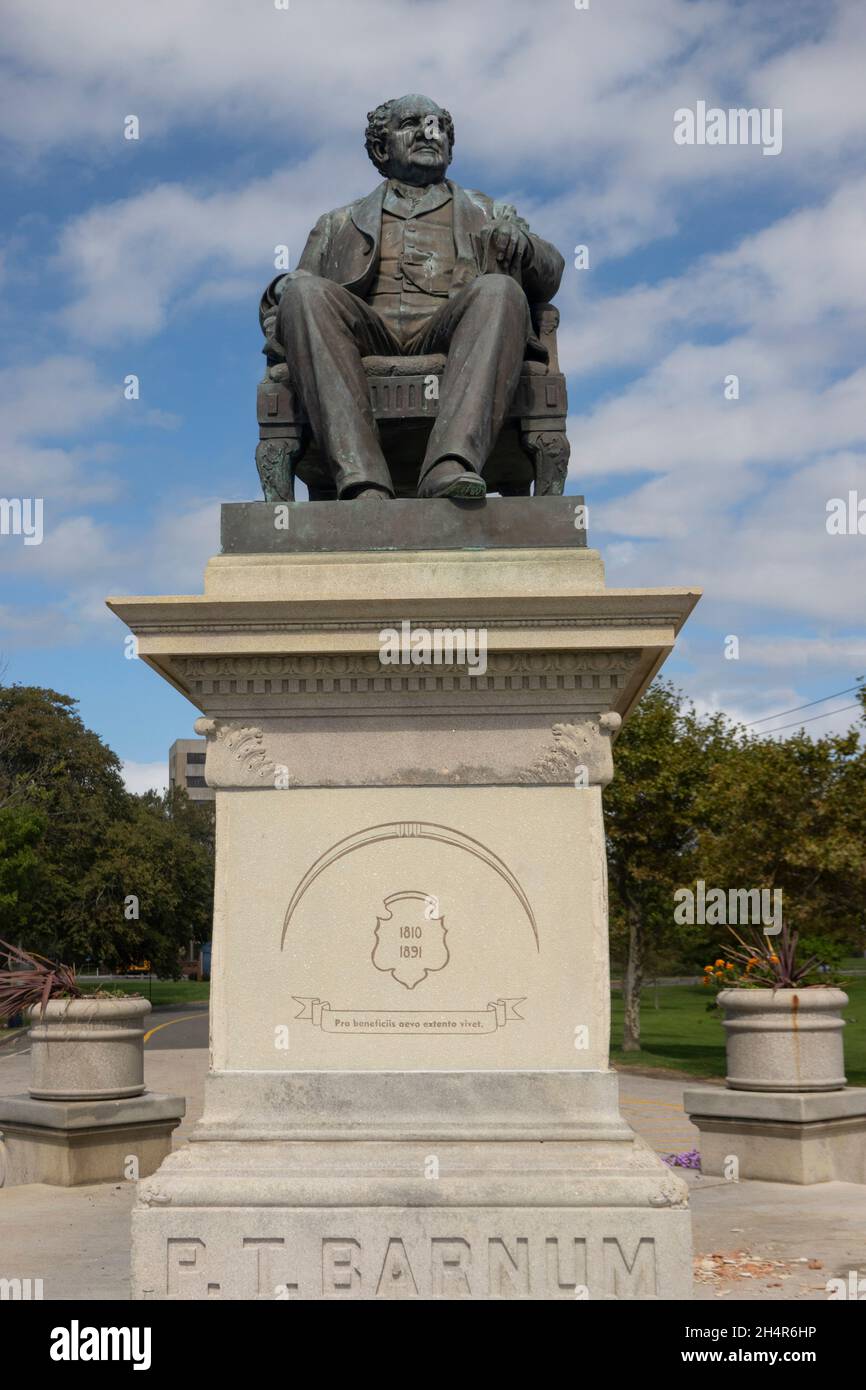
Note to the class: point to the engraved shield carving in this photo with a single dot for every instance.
(410, 939)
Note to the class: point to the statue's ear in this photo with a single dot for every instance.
(379, 151)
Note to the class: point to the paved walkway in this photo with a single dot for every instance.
(654, 1107)
(752, 1239)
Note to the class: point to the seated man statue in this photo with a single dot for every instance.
(419, 266)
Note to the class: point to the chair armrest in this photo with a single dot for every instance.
(545, 319)
(268, 306)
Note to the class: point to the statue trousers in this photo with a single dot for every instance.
(326, 330)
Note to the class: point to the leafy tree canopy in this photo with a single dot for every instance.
(89, 871)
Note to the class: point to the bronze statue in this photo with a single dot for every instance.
(414, 307)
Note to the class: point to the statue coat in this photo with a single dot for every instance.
(344, 247)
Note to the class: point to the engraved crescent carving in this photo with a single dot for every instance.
(399, 830)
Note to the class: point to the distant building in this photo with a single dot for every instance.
(186, 768)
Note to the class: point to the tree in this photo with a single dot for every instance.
(20, 832)
(703, 799)
(151, 889)
(654, 809)
(790, 815)
(54, 766)
(87, 870)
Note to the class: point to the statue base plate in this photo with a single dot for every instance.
(403, 523)
(430, 1215)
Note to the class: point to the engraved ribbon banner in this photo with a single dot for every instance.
(408, 1021)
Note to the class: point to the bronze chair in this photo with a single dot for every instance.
(531, 452)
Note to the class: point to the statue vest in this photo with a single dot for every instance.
(416, 267)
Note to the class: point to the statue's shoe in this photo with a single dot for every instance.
(372, 492)
(462, 484)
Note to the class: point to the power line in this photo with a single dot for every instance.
(782, 712)
(798, 723)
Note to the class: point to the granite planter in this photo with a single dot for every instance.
(88, 1049)
(784, 1039)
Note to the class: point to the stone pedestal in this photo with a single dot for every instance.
(779, 1136)
(409, 1092)
(67, 1143)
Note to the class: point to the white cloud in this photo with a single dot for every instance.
(777, 683)
(83, 558)
(166, 554)
(803, 652)
(805, 270)
(59, 395)
(820, 85)
(62, 396)
(730, 495)
(84, 554)
(749, 708)
(130, 263)
(583, 100)
(771, 555)
(145, 777)
(178, 544)
(217, 64)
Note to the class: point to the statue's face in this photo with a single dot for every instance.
(417, 146)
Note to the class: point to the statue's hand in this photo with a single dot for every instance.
(502, 247)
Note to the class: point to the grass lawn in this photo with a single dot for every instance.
(682, 1036)
(179, 992)
(159, 991)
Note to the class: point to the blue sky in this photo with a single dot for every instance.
(148, 257)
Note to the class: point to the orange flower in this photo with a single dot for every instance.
(729, 966)
(719, 962)
(708, 970)
(774, 960)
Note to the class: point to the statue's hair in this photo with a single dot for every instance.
(377, 126)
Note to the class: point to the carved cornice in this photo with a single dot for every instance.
(577, 623)
(325, 673)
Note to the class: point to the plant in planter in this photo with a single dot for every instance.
(84, 1046)
(783, 1026)
(35, 981)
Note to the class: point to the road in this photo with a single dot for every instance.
(177, 1027)
(166, 1028)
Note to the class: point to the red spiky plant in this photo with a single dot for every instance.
(35, 980)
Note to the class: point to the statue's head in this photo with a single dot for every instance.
(410, 138)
